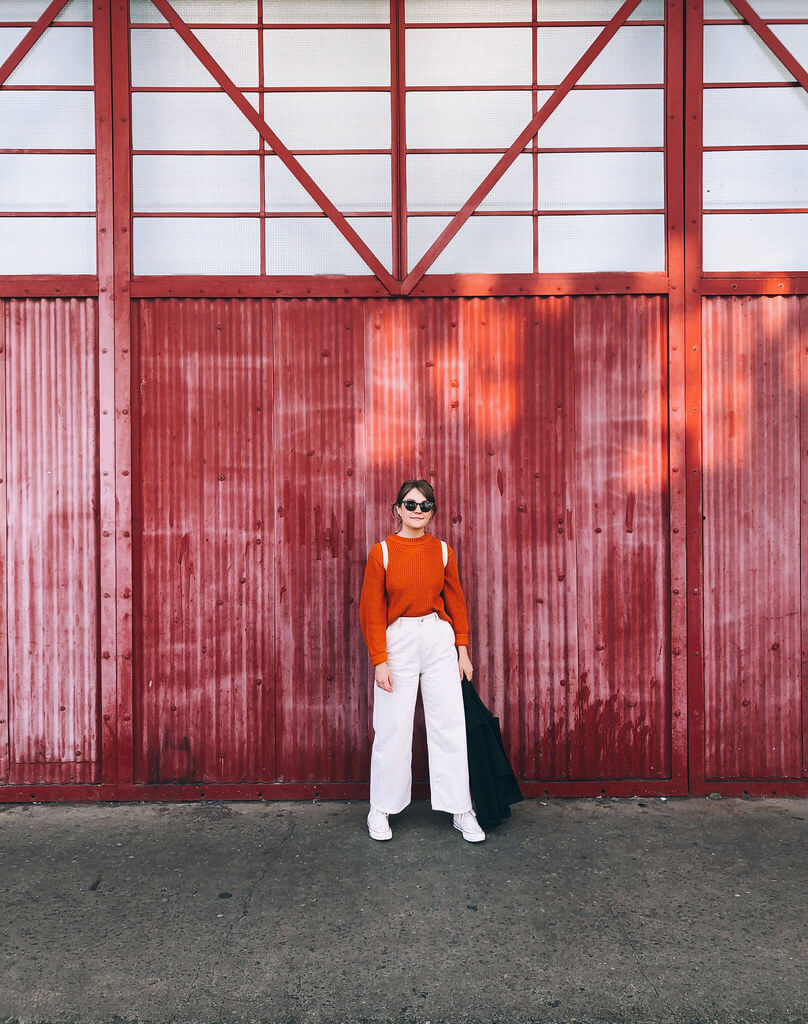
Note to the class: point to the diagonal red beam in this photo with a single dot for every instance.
(11, 62)
(781, 52)
(280, 150)
(505, 161)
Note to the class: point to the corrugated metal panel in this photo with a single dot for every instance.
(751, 446)
(542, 424)
(319, 449)
(417, 392)
(52, 541)
(203, 440)
(568, 509)
(622, 510)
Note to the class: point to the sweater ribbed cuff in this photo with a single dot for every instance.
(461, 639)
(377, 659)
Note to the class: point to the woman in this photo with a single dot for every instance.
(413, 615)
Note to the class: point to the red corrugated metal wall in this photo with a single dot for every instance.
(754, 507)
(270, 439)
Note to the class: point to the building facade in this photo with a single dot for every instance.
(260, 260)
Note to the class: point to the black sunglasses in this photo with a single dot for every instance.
(411, 506)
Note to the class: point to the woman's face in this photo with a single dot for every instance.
(416, 519)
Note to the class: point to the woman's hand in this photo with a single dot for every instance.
(464, 663)
(383, 677)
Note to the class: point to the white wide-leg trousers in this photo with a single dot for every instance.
(422, 647)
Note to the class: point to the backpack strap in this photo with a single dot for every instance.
(444, 550)
(385, 554)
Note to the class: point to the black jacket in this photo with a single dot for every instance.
(493, 784)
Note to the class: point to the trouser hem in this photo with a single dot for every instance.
(375, 807)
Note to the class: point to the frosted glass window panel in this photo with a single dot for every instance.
(465, 120)
(198, 184)
(61, 56)
(777, 178)
(326, 57)
(55, 183)
(436, 11)
(30, 10)
(484, 245)
(601, 181)
(183, 120)
(161, 57)
(202, 245)
(345, 11)
(191, 11)
(635, 56)
(632, 243)
(597, 10)
(313, 245)
(766, 242)
(764, 8)
(46, 120)
(469, 56)
(330, 120)
(737, 54)
(352, 183)
(755, 117)
(47, 245)
(619, 117)
(444, 181)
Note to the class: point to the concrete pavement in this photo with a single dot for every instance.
(684, 911)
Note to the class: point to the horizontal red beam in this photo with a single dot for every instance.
(335, 286)
(47, 286)
(737, 284)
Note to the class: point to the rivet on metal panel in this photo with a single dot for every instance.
(105, 654)
(103, 412)
(676, 591)
(349, 472)
(106, 532)
(598, 529)
(125, 472)
(126, 533)
(259, 682)
(348, 383)
(674, 469)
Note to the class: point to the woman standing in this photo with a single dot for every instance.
(413, 616)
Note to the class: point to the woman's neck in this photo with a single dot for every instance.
(409, 534)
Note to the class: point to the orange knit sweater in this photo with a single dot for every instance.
(415, 584)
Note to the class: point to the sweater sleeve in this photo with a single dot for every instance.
(454, 601)
(373, 607)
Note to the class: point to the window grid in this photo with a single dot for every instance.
(68, 222)
(743, 236)
(534, 151)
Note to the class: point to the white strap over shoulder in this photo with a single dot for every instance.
(385, 554)
(444, 550)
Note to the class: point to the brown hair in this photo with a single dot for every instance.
(424, 486)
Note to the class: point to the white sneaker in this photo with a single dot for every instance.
(467, 823)
(378, 825)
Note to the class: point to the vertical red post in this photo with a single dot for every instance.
(4, 706)
(121, 280)
(677, 478)
(398, 135)
(693, 419)
(105, 351)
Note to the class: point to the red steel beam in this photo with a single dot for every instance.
(285, 155)
(11, 62)
(502, 165)
(786, 58)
